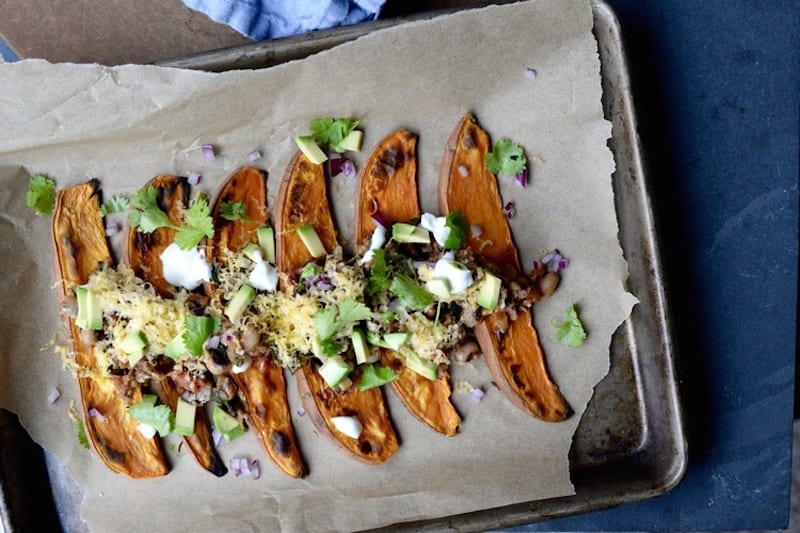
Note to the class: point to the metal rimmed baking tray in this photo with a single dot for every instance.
(629, 445)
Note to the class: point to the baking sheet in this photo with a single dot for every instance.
(641, 425)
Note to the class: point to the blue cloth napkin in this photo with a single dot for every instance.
(267, 19)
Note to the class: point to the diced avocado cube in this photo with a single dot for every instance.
(396, 340)
(90, 314)
(352, 142)
(266, 240)
(226, 424)
(184, 417)
(489, 294)
(312, 241)
(238, 304)
(439, 288)
(250, 250)
(133, 345)
(310, 270)
(408, 233)
(310, 149)
(334, 370)
(360, 346)
(423, 367)
(176, 348)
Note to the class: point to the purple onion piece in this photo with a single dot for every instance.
(208, 152)
(112, 229)
(254, 155)
(255, 469)
(335, 163)
(530, 73)
(510, 210)
(476, 395)
(94, 413)
(54, 395)
(348, 167)
(379, 219)
(193, 179)
(301, 411)
(521, 179)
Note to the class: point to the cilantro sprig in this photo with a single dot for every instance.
(81, 429)
(147, 216)
(41, 194)
(571, 332)
(234, 211)
(411, 295)
(459, 229)
(197, 330)
(158, 416)
(115, 204)
(331, 319)
(378, 273)
(507, 158)
(331, 131)
(375, 376)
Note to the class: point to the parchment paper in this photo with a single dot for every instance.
(127, 124)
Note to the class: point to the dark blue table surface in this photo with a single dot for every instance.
(716, 87)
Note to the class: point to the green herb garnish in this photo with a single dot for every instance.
(331, 347)
(571, 332)
(234, 211)
(411, 295)
(158, 416)
(41, 194)
(378, 275)
(330, 320)
(459, 229)
(331, 131)
(82, 438)
(148, 217)
(507, 158)
(115, 204)
(198, 329)
(375, 376)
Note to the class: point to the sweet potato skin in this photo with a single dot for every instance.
(81, 247)
(302, 200)
(387, 184)
(263, 384)
(513, 354)
(143, 255)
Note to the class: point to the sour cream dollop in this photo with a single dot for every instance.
(436, 225)
(376, 242)
(264, 276)
(184, 268)
(458, 275)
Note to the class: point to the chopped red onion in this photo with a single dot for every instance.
(553, 260)
(549, 256)
(236, 465)
(530, 73)
(335, 163)
(244, 466)
(94, 413)
(255, 469)
(348, 167)
(194, 179)
(228, 336)
(476, 231)
(321, 282)
(463, 171)
(562, 264)
(537, 264)
(379, 219)
(476, 395)
(54, 395)
(217, 438)
(301, 411)
(212, 342)
(521, 179)
(112, 229)
(510, 210)
(208, 152)
(254, 155)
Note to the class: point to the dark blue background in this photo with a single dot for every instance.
(716, 89)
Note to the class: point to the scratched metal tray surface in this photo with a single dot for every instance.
(630, 444)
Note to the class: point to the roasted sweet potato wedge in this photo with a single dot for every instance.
(511, 347)
(81, 247)
(143, 255)
(302, 200)
(263, 384)
(388, 184)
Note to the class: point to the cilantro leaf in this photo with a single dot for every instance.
(331, 347)
(197, 330)
(376, 375)
(41, 194)
(507, 158)
(234, 211)
(571, 333)
(199, 224)
(378, 275)
(330, 320)
(325, 322)
(352, 311)
(82, 438)
(459, 229)
(411, 295)
(115, 204)
(145, 213)
(331, 131)
(158, 416)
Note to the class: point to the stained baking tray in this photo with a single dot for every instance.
(629, 445)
